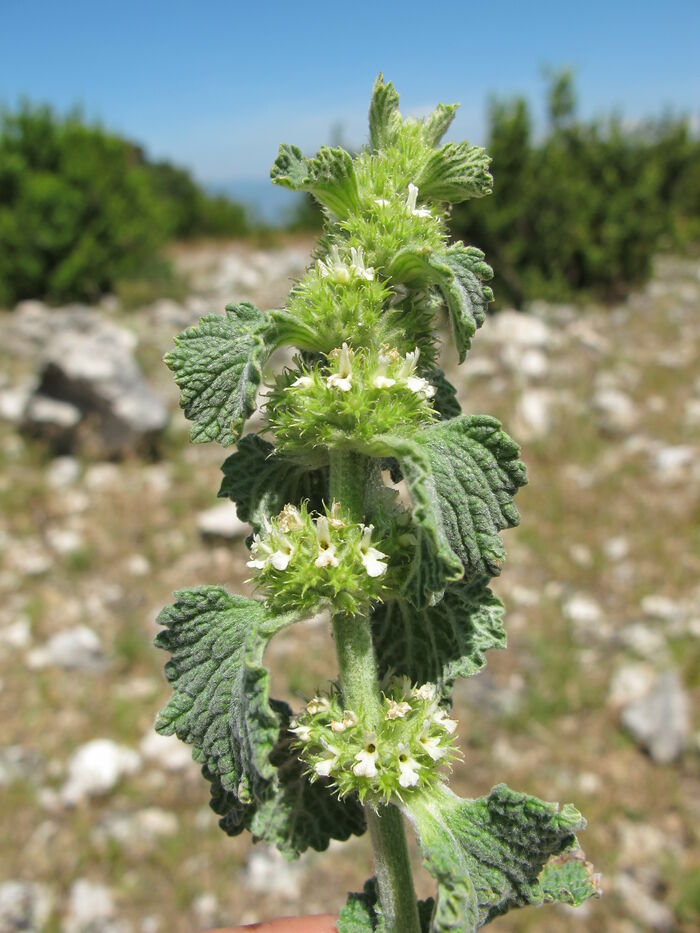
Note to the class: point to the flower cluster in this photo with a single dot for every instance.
(406, 748)
(355, 396)
(303, 561)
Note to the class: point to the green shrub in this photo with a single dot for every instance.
(581, 212)
(82, 210)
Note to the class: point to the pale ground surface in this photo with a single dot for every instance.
(601, 586)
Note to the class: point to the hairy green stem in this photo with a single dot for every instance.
(360, 684)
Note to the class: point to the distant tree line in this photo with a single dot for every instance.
(581, 212)
(82, 210)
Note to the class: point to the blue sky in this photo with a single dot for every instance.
(217, 85)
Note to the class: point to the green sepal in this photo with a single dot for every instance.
(262, 481)
(454, 173)
(461, 476)
(445, 400)
(440, 643)
(329, 176)
(438, 123)
(362, 913)
(460, 273)
(220, 703)
(292, 813)
(494, 853)
(384, 115)
(217, 365)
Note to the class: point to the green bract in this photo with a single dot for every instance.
(404, 577)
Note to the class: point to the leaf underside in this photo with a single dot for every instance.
(329, 176)
(218, 367)
(496, 853)
(362, 913)
(445, 400)
(261, 482)
(294, 814)
(440, 643)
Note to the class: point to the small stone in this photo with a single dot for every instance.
(516, 328)
(29, 559)
(629, 683)
(533, 414)
(96, 768)
(661, 607)
(24, 905)
(137, 565)
(17, 634)
(64, 540)
(221, 521)
(51, 414)
(77, 649)
(13, 403)
(586, 617)
(659, 721)
(671, 463)
(102, 476)
(616, 548)
(643, 640)
(205, 908)
(616, 411)
(652, 914)
(90, 908)
(269, 873)
(137, 831)
(62, 472)
(581, 554)
(166, 751)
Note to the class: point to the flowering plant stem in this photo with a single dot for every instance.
(360, 687)
(362, 407)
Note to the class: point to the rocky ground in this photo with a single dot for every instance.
(106, 825)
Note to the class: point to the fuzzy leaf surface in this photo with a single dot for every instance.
(438, 123)
(384, 115)
(217, 365)
(460, 273)
(440, 643)
(362, 913)
(461, 475)
(292, 814)
(491, 854)
(455, 172)
(220, 703)
(329, 176)
(261, 482)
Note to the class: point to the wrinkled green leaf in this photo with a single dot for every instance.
(445, 399)
(443, 642)
(438, 122)
(460, 273)
(292, 814)
(569, 879)
(461, 475)
(455, 172)
(362, 913)
(329, 176)
(218, 366)
(384, 115)
(220, 703)
(491, 854)
(261, 482)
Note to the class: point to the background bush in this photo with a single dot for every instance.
(581, 212)
(82, 210)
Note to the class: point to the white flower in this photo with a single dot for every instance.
(324, 767)
(440, 718)
(257, 548)
(326, 550)
(334, 519)
(411, 203)
(358, 265)
(334, 268)
(303, 382)
(425, 692)
(343, 378)
(380, 379)
(372, 559)
(347, 722)
(318, 705)
(382, 202)
(302, 731)
(367, 759)
(282, 556)
(431, 745)
(408, 768)
(396, 710)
